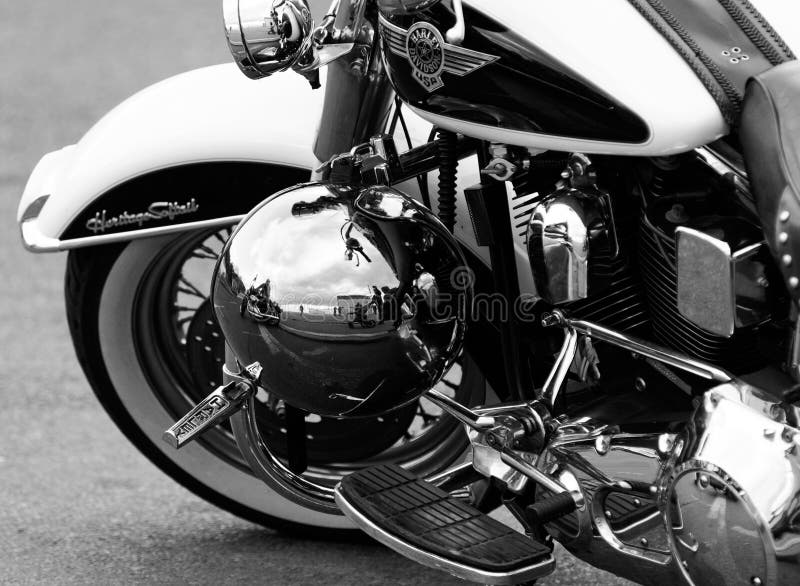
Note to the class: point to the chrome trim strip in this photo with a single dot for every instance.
(35, 241)
(430, 560)
(721, 165)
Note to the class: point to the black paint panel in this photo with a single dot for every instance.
(524, 90)
(217, 189)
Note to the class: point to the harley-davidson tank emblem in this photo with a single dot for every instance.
(428, 53)
(159, 210)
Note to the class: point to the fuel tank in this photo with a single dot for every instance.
(573, 75)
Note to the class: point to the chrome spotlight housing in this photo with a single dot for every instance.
(353, 300)
(267, 36)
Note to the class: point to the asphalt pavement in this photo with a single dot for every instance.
(79, 504)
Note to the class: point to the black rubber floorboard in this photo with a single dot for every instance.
(430, 519)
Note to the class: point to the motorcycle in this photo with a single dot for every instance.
(593, 325)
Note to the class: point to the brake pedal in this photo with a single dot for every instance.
(427, 525)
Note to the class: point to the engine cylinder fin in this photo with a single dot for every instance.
(657, 262)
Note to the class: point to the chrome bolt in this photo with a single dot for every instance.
(783, 238)
(602, 444)
(644, 542)
(550, 319)
(784, 217)
(358, 67)
(637, 502)
(787, 260)
(639, 384)
(608, 514)
(777, 413)
(703, 481)
(665, 444)
(788, 435)
(794, 282)
(756, 581)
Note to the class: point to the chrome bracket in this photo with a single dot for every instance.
(500, 437)
(500, 169)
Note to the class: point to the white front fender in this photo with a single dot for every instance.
(207, 115)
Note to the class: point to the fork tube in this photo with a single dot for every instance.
(356, 105)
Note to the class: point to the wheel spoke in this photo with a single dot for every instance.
(449, 384)
(426, 417)
(205, 252)
(186, 287)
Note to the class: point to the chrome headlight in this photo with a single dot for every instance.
(266, 36)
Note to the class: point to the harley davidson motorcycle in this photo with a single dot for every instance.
(569, 233)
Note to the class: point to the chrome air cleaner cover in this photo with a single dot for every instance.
(352, 300)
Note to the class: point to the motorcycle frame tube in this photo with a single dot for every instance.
(519, 378)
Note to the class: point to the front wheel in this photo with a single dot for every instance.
(145, 336)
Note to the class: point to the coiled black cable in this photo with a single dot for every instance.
(447, 143)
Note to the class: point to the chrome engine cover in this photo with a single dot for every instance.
(731, 498)
(569, 232)
(717, 503)
(352, 300)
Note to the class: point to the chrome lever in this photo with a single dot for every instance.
(521, 465)
(465, 415)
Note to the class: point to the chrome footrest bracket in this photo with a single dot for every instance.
(218, 407)
(498, 435)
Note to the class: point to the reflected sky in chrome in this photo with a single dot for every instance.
(313, 270)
